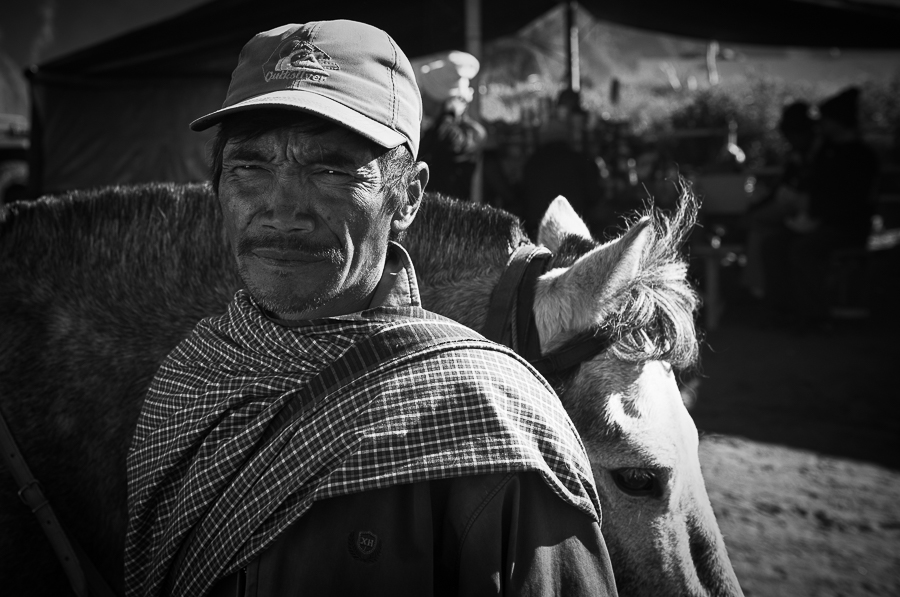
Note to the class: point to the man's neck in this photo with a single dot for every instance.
(344, 305)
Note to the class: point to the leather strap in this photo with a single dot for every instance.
(510, 319)
(83, 576)
(502, 316)
(526, 340)
(579, 349)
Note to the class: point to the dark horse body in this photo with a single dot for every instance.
(96, 289)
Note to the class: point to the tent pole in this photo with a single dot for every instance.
(573, 68)
(35, 138)
(474, 47)
(712, 50)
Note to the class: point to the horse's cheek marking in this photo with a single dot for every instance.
(587, 401)
(587, 414)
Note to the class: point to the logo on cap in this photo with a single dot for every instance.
(297, 60)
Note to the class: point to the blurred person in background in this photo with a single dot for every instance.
(560, 166)
(787, 197)
(842, 184)
(451, 145)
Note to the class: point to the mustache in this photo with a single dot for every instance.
(247, 245)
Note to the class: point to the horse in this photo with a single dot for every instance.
(96, 287)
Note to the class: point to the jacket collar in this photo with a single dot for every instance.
(398, 286)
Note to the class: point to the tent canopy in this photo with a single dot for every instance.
(200, 40)
(116, 112)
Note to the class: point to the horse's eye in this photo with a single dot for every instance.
(639, 482)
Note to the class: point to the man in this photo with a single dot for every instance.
(841, 186)
(327, 435)
(561, 166)
(844, 174)
(787, 197)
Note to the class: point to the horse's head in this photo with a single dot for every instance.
(660, 529)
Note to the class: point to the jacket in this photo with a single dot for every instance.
(499, 534)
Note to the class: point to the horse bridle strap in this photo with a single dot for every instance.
(510, 318)
(579, 349)
(83, 576)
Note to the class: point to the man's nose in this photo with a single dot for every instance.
(290, 207)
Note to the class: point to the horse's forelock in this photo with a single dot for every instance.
(656, 320)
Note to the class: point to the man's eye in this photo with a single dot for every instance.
(329, 173)
(239, 167)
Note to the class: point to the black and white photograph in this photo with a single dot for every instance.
(445, 298)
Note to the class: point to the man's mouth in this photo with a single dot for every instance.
(288, 255)
(286, 251)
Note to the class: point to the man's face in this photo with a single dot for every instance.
(307, 219)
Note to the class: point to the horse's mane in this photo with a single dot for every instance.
(59, 225)
(88, 232)
(471, 232)
(656, 321)
(130, 260)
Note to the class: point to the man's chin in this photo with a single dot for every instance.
(280, 298)
(287, 308)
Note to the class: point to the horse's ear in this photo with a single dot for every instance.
(559, 221)
(576, 298)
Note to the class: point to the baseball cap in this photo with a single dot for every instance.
(344, 71)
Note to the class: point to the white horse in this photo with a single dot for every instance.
(659, 525)
(96, 288)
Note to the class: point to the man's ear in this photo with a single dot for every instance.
(408, 209)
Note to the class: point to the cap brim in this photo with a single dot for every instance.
(312, 103)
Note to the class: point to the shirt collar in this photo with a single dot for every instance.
(398, 286)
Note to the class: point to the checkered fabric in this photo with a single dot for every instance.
(388, 396)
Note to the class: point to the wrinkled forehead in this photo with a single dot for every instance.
(305, 142)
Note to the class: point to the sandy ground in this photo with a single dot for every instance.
(800, 448)
(798, 523)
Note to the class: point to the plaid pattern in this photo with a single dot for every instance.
(413, 397)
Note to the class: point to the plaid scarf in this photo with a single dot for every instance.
(248, 422)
